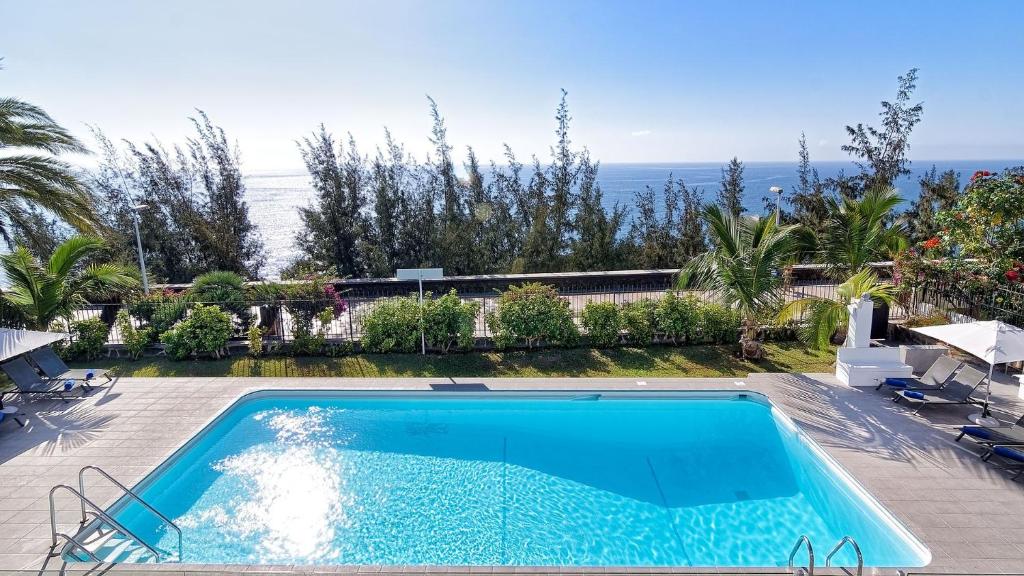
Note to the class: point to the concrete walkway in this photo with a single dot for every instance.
(967, 512)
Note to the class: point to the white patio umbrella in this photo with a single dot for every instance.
(993, 341)
(17, 342)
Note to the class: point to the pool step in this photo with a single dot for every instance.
(110, 545)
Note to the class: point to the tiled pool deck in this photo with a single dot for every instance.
(969, 513)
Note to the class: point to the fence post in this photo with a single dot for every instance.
(351, 331)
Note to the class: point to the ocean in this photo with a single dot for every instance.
(274, 198)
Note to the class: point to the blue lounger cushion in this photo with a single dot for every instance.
(977, 432)
(1009, 453)
(900, 382)
(913, 394)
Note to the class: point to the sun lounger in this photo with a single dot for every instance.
(960, 390)
(937, 375)
(1012, 454)
(28, 382)
(53, 367)
(16, 419)
(989, 435)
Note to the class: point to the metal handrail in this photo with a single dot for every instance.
(99, 513)
(803, 539)
(856, 548)
(71, 540)
(133, 495)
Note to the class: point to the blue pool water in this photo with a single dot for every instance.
(511, 480)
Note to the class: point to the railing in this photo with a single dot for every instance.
(54, 533)
(128, 492)
(803, 540)
(277, 318)
(843, 542)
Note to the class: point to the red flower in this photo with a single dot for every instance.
(1012, 275)
(931, 243)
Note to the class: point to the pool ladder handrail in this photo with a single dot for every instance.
(856, 548)
(54, 533)
(803, 539)
(128, 492)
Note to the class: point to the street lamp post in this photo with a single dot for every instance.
(778, 205)
(138, 245)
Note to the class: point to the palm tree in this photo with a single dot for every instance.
(824, 318)
(858, 232)
(35, 178)
(44, 292)
(743, 268)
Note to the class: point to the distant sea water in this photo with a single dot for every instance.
(274, 198)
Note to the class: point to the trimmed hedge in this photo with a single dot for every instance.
(602, 322)
(205, 331)
(532, 314)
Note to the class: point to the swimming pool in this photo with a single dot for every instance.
(537, 479)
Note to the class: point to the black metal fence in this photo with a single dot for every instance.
(960, 302)
(277, 318)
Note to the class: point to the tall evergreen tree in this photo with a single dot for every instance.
(596, 245)
(233, 239)
(334, 227)
(881, 153)
(195, 220)
(455, 232)
(938, 192)
(564, 174)
(730, 191)
(808, 200)
(673, 237)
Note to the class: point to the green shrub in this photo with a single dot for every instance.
(255, 340)
(676, 318)
(225, 289)
(717, 324)
(638, 320)
(135, 339)
(601, 320)
(143, 307)
(448, 321)
(205, 331)
(167, 314)
(306, 341)
(393, 325)
(88, 338)
(531, 314)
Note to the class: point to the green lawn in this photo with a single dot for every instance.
(690, 361)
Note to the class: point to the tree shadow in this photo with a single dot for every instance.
(861, 419)
(54, 427)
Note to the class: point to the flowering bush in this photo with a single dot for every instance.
(988, 220)
(1016, 273)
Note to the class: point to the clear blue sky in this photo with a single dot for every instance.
(647, 81)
